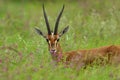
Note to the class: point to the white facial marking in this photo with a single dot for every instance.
(55, 43)
(49, 43)
(52, 35)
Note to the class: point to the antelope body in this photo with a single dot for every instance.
(109, 54)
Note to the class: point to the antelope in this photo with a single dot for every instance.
(111, 54)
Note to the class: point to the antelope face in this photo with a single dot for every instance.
(52, 41)
(52, 38)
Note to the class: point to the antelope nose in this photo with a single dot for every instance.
(53, 50)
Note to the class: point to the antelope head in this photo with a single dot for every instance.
(52, 38)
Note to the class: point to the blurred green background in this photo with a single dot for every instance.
(24, 54)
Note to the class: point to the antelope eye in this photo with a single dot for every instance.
(57, 39)
(47, 40)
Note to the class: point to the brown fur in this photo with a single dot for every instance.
(102, 55)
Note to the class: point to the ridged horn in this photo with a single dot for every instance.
(46, 20)
(57, 21)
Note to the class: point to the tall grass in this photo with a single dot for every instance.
(24, 54)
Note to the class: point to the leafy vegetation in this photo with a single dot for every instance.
(24, 54)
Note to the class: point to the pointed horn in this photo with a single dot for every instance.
(46, 20)
(57, 21)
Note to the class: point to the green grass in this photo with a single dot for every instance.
(92, 24)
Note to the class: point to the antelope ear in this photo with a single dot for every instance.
(64, 31)
(40, 32)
